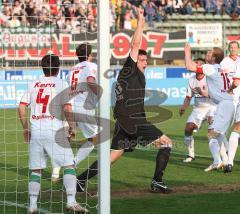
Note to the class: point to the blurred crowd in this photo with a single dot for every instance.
(80, 15)
(66, 15)
(124, 11)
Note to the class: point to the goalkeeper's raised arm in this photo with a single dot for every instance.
(137, 37)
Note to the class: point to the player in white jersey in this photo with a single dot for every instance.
(85, 73)
(46, 136)
(218, 85)
(203, 109)
(229, 64)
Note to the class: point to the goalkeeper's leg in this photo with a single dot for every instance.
(93, 170)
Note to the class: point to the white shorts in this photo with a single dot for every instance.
(88, 124)
(44, 144)
(223, 117)
(199, 114)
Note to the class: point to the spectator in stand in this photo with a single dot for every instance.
(186, 8)
(91, 20)
(113, 17)
(14, 22)
(230, 6)
(80, 14)
(150, 14)
(211, 5)
(125, 6)
(177, 5)
(144, 4)
(169, 7)
(60, 23)
(135, 3)
(127, 21)
(68, 26)
(160, 14)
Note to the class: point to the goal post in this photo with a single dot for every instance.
(104, 107)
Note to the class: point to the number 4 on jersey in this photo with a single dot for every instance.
(42, 100)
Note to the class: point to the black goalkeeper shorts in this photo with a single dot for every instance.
(143, 135)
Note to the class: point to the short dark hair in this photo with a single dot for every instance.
(83, 51)
(142, 52)
(233, 42)
(218, 54)
(50, 65)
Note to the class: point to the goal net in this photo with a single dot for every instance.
(29, 30)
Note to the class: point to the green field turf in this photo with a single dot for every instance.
(195, 190)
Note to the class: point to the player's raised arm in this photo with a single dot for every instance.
(190, 64)
(137, 37)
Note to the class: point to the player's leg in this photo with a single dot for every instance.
(56, 174)
(92, 171)
(150, 136)
(164, 144)
(34, 186)
(189, 141)
(221, 138)
(69, 182)
(233, 145)
(59, 150)
(194, 122)
(89, 131)
(37, 162)
(85, 150)
(117, 150)
(223, 151)
(221, 123)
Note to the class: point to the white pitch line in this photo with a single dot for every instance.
(10, 203)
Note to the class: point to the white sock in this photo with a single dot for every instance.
(225, 142)
(189, 141)
(56, 172)
(223, 152)
(215, 149)
(233, 144)
(83, 152)
(69, 181)
(34, 188)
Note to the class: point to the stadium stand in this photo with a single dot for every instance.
(75, 15)
(80, 16)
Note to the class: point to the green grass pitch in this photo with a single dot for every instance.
(195, 190)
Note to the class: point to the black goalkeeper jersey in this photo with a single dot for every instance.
(130, 91)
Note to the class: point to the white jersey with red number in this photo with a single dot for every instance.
(232, 65)
(229, 64)
(38, 96)
(199, 100)
(218, 82)
(80, 74)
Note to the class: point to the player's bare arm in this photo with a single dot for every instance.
(137, 37)
(24, 122)
(190, 64)
(70, 119)
(91, 81)
(185, 105)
